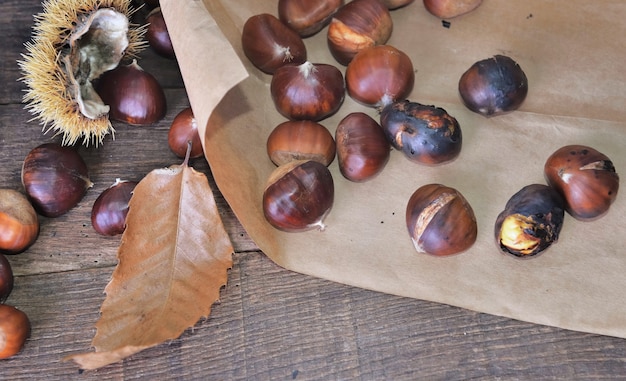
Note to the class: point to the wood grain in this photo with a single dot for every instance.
(271, 324)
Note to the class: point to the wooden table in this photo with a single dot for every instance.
(270, 323)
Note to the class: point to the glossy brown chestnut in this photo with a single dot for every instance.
(395, 4)
(55, 178)
(380, 75)
(493, 86)
(134, 95)
(311, 91)
(19, 224)
(447, 9)
(358, 25)
(298, 196)
(184, 128)
(440, 220)
(530, 222)
(6, 278)
(108, 213)
(307, 17)
(585, 177)
(300, 140)
(362, 148)
(270, 44)
(425, 134)
(14, 330)
(157, 35)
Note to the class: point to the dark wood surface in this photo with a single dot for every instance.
(271, 324)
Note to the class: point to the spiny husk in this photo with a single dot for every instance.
(48, 95)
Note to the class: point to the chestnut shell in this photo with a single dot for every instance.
(157, 35)
(530, 222)
(300, 140)
(6, 278)
(108, 213)
(19, 224)
(14, 330)
(307, 17)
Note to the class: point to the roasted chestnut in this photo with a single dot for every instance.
(55, 178)
(108, 213)
(358, 25)
(298, 196)
(311, 91)
(6, 278)
(184, 129)
(307, 17)
(19, 224)
(530, 222)
(380, 75)
(440, 220)
(270, 44)
(585, 177)
(157, 35)
(447, 9)
(14, 330)
(362, 148)
(493, 86)
(300, 140)
(425, 134)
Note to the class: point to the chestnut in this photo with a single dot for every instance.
(447, 9)
(14, 330)
(157, 35)
(380, 75)
(134, 95)
(395, 4)
(19, 224)
(311, 91)
(362, 148)
(585, 177)
(530, 222)
(6, 278)
(55, 178)
(298, 196)
(425, 134)
(108, 213)
(358, 25)
(440, 220)
(184, 128)
(270, 44)
(493, 86)
(307, 17)
(300, 140)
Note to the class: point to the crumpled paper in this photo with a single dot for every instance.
(573, 57)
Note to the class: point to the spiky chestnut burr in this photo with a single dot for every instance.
(73, 43)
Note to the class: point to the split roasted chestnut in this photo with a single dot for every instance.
(530, 222)
(14, 330)
(270, 44)
(6, 278)
(298, 196)
(311, 91)
(493, 86)
(300, 140)
(19, 224)
(108, 213)
(358, 25)
(362, 148)
(307, 17)
(585, 177)
(184, 129)
(440, 220)
(380, 75)
(55, 178)
(425, 134)
(157, 35)
(447, 9)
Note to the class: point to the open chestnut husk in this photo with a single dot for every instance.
(307, 17)
(358, 25)
(298, 196)
(6, 278)
(19, 224)
(55, 178)
(14, 330)
(530, 222)
(311, 91)
(300, 140)
(362, 148)
(108, 213)
(447, 9)
(440, 220)
(425, 134)
(493, 86)
(270, 44)
(585, 177)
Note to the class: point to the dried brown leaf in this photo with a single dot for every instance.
(172, 262)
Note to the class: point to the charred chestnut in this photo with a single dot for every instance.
(307, 17)
(300, 140)
(425, 134)
(530, 222)
(440, 220)
(585, 177)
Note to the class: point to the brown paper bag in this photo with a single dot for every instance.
(574, 58)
